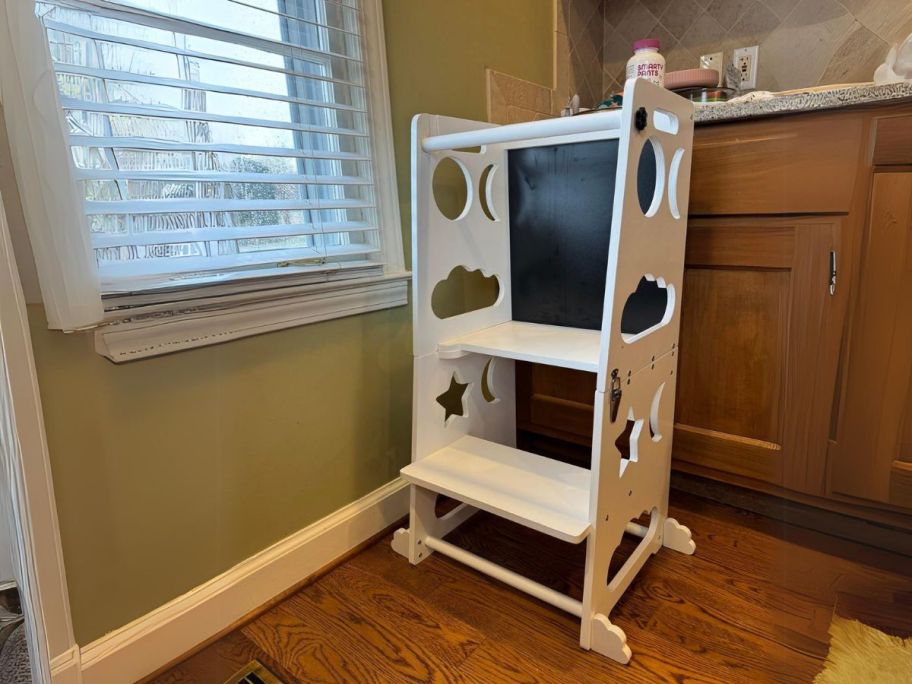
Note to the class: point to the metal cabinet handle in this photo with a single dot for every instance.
(832, 272)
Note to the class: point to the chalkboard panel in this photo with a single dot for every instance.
(561, 201)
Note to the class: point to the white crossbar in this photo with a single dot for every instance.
(637, 530)
(517, 581)
(546, 128)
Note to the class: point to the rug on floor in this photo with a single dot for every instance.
(859, 653)
(14, 659)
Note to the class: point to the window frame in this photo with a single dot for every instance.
(160, 321)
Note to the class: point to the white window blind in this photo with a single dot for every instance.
(217, 139)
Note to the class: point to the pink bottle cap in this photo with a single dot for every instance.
(647, 43)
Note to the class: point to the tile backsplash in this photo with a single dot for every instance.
(802, 42)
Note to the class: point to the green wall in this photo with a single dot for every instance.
(168, 471)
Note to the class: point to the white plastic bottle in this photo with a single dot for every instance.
(647, 62)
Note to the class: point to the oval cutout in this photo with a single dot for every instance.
(487, 382)
(665, 121)
(654, 431)
(485, 184)
(648, 308)
(452, 188)
(464, 291)
(651, 177)
(673, 182)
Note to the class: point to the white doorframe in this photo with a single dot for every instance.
(24, 459)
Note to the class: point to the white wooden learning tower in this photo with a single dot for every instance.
(470, 454)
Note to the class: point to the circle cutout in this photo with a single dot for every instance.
(651, 177)
(452, 188)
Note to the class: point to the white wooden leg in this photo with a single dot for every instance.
(410, 542)
(400, 542)
(677, 537)
(423, 522)
(609, 640)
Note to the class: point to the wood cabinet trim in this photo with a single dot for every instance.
(901, 484)
(893, 141)
(752, 458)
(776, 166)
(739, 242)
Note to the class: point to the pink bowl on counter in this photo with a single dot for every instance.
(692, 78)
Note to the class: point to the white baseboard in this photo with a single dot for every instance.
(65, 667)
(152, 641)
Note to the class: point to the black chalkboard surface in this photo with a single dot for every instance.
(561, 201)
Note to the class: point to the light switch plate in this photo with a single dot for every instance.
(745, 60)
(712, 61)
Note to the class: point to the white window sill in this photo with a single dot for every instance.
(167, 332)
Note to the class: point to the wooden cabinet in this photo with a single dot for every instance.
(871, 456)
(759, 343)
(786, 385)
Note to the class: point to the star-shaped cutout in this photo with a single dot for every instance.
(628, 441)
(451, 400)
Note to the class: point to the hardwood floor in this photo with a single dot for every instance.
(753, 605)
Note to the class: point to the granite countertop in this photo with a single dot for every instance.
(803, 100)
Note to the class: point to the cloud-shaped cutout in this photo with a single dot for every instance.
(647, 309)
(464, 291)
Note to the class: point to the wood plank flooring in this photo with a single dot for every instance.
(753, 605)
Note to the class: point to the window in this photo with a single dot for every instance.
(221, 146)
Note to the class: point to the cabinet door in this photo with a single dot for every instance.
(901, 469)
(872, 454)
(759, 346)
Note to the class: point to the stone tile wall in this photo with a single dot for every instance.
(579, 29)
(802, 42)
(513, 100)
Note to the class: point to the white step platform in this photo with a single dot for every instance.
(553, 345)
(541, 493)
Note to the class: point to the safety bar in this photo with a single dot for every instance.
(566, 125)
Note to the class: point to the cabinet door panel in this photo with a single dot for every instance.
(869, 453)
(733, 350)
(759, 340)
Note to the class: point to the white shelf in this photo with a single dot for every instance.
(552, 345)
(541, 493)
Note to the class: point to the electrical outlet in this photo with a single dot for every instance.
(745, 60)
(712, 61)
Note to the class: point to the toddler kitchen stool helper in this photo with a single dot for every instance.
(468, 453)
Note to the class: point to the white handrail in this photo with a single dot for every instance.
(546, 128)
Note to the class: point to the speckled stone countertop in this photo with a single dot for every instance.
(804, 100)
